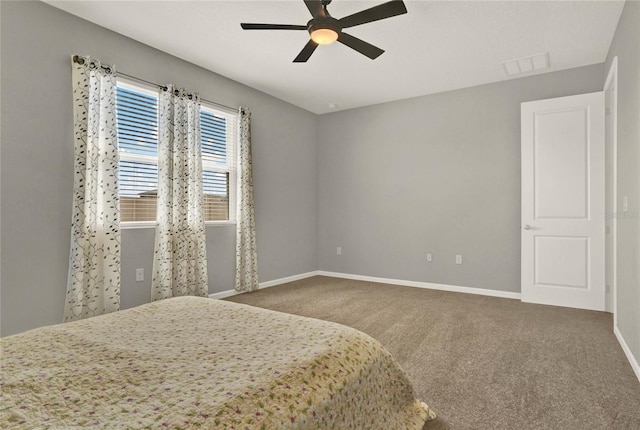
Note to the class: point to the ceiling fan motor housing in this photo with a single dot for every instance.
(327, 22)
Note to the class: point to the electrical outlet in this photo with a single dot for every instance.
(339, 250)
(139, 275)
(429, 258)
(459, 259)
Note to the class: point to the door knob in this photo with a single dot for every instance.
(527, 227)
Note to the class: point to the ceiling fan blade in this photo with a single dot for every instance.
(382, 11)
(360, 45)
(306, 52)
(246, 26)
(316, 8)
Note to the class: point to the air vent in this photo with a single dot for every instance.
(526, 64)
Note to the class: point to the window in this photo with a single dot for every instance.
(137, 115)
(217, 130)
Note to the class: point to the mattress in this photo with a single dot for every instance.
(193, 362)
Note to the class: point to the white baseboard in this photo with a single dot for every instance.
(427, 285)
(223, 294)
(266, 284)
(627, 351)
(291, 278)
(416, 284)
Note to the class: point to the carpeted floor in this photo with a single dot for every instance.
(482, 362)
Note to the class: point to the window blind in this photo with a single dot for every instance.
(137, 116)
(213, 131)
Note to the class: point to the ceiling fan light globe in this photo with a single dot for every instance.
(324, 36)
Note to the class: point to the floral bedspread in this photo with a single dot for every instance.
(190, 362)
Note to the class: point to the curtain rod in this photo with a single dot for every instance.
(80, 60)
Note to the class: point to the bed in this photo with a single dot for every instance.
(194, 362)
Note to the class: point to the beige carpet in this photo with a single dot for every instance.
(483, 362)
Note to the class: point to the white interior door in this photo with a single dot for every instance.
(563, 201)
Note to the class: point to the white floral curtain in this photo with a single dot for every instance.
(93, 285)
(246, 255)
(180, 263)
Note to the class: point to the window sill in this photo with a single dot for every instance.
(137, 224)
(218, 223)
(146, 224)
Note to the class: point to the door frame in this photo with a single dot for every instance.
(611, 84)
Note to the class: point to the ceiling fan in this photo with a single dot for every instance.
(325, 29)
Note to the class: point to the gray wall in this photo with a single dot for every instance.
(438, 174)
(37, 165)
(626, 46)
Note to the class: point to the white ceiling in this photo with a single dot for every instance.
(437, 46)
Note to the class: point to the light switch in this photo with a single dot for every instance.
(139, 275)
